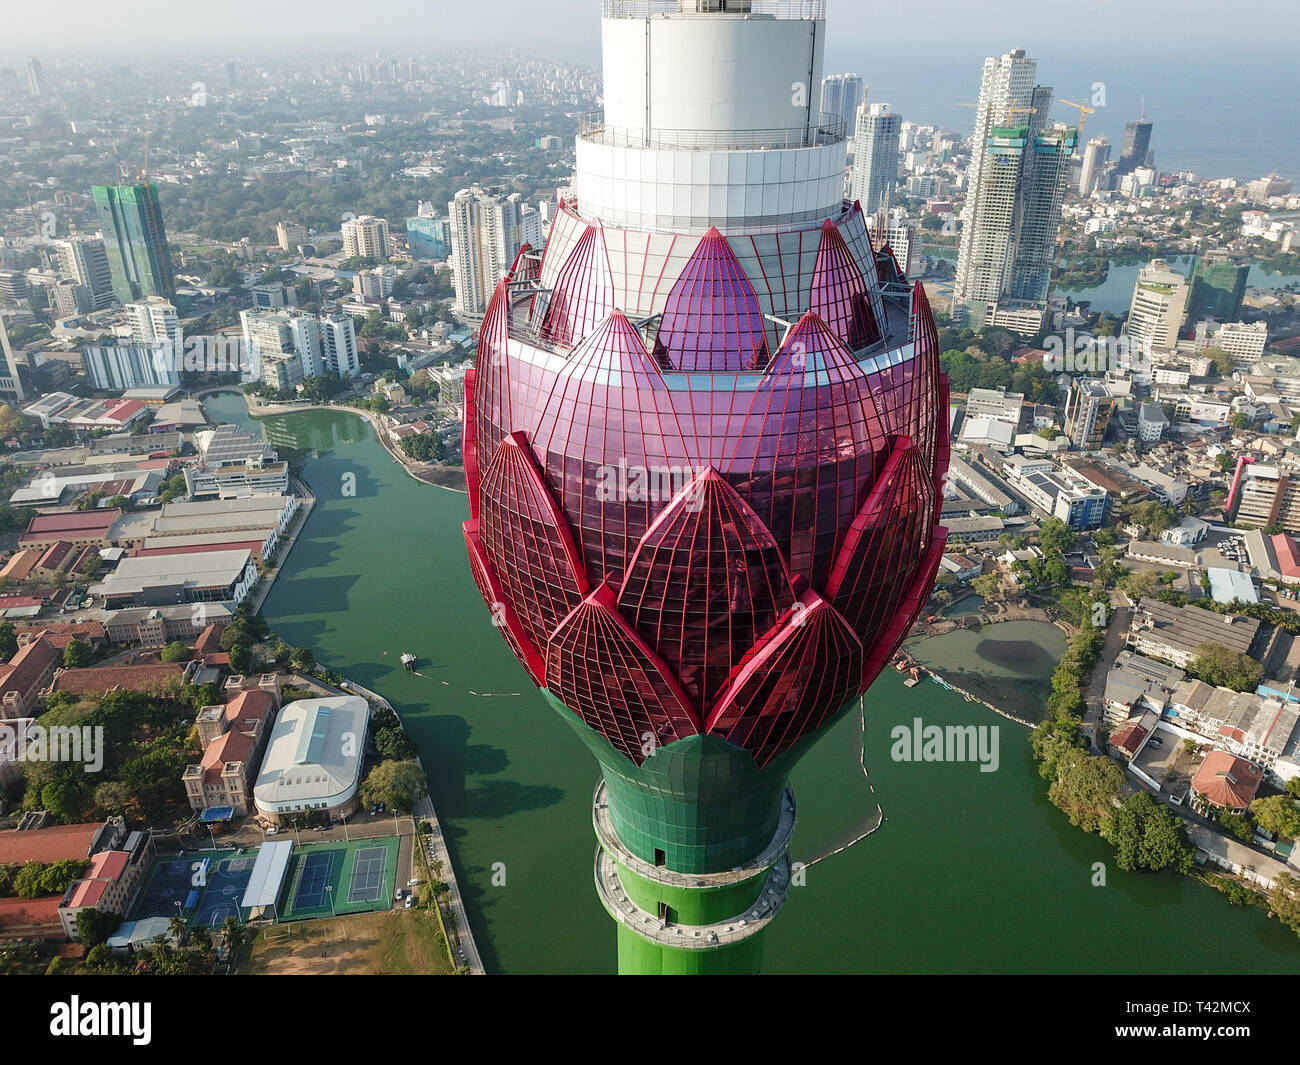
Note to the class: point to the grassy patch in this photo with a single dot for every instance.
(394, 942)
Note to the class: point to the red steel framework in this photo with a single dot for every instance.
(681, 529)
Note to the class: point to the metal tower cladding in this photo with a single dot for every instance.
(704, 443)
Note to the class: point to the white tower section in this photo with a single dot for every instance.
(711, 118)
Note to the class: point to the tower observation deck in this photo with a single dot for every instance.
(704, 441)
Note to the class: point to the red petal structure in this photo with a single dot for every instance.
(502, 616)
(809, 447)
(583, 294)
(809, 669)
(839, 293)
(611, 444)
(706, 582)
(527, 266)
(672, 524)
(885, 544)
(528, 540)
(607, 675)
(712, 320)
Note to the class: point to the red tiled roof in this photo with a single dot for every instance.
(209, 641)
(1129, 738)
(1227, 780)
(55, 844)
(95, 680)
(53, 556)
(244, 545)
(16, 913)
(76, 521)
(236, 744)
(55, 630)
(26, 667)
(1288, 556)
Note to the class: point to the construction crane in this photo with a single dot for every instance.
(1084, 112)
(1014, 110)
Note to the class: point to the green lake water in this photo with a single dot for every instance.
(969, 872)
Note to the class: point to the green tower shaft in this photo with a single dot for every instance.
(693, 861)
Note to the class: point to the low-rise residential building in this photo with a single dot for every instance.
(27, 674)
(111, 884)
(1136, 684)
(1176, 633)
(976, 529)
(1248, 725)
(1226, 781)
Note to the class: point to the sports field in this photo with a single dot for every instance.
(219, 888)
(339, 878)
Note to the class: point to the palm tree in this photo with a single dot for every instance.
(177, 926)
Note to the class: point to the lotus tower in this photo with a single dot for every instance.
(704, 441)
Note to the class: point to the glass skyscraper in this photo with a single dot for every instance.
(130, 218)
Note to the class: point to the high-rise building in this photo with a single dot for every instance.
(1095, 157)
(154, 321)
(1158, 307)
(338, 343)
(1019, 172)
(289, 235)
(875, 157)
(232, 75)
(287, 347)
(36, 78)
(130, 219)
(486, 235)
(366, 236)
(1137, 146)
(1218, 287)
(1087, 413)
(84, 259)
(11, 382)
(895, 229)
(704, 443)
(842, 96)
(118, 364)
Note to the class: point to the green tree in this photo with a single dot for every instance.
(1224, 668)
(77, 654)
(241, 659)
(8, 640)
(986, 585)
(1278, 814)
(1055, 535)
(395, 743)
(399, 784)
(1238, 420)
(95, 926)
(1284, 900)
(1085, 787)
(302, 659)
(1146, 835)
(1236, 826)
(174, 652)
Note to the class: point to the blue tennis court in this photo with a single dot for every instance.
(316, 869)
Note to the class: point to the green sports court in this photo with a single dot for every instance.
(336, 878)
(322, 879)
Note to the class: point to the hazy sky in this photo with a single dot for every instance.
(858, 27)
